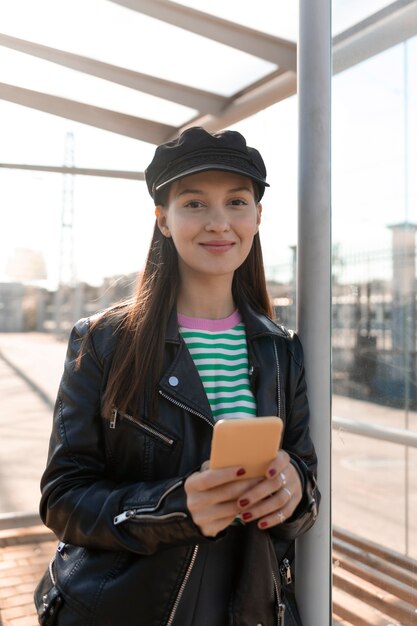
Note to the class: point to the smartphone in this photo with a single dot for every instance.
(251, 443)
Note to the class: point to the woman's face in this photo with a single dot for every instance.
(212, 218)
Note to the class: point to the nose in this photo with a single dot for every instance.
(218, 220)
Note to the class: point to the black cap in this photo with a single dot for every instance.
(197, 150)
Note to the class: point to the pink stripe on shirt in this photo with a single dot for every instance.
(199, 323)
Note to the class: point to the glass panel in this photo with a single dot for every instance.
(274, 132)
(367, 473)
(374, 314)
(119, 36)
(22, 70)
(29, 136)
(276, 18)
(31, 247)
(346, 13)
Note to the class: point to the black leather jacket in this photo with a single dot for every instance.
(113, 490)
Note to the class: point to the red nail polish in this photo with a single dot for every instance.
(244, 502)
(272, 472)
(240, 472)
(246, 516)
(263, 524)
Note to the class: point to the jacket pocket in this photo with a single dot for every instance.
(71, 590)
(149, 429)
(48, 598)
(140, 449)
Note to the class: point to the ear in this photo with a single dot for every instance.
(161, 219)
(259, 216)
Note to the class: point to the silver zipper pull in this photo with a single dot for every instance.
(285, 571)
(123, 516)
(61, 549)
(61, 546)
(251, 380)
(113, 418)
(281, 614)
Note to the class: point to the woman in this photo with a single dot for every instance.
(149, 535)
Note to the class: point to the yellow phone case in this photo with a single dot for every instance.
(251, 443)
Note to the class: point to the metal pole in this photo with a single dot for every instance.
(313, 552)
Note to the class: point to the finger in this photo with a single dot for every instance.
(279, 465)
(267, 506)
(214, 527)
(210, 478)
(287, 477)
(276, 517)
(212, 514)
(228, 492)
(264, 489)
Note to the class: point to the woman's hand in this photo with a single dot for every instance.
(275, 498)
(213, 496)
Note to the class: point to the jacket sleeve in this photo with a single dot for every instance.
(297, 442)
(80, 502)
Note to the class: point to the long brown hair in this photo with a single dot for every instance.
(141, 322)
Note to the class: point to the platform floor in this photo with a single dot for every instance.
(374, 483)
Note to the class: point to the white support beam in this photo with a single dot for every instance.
(279, 51)
(83, 171)
(203, 101)
(120, 123)
(381, 31)
(313, 550)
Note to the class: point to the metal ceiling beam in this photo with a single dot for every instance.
(203, 101)
(121, 123)
(83, 171)
(250, 102)
(381, 31)
(386, 28)
(274, 49)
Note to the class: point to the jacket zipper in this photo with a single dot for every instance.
(185, 407)
(51, 573)
(138, 513)
(281, 605)
(141, 425)
(278, 380)
(183, 585)
(285, 571)
(122, 517)
(195, 551)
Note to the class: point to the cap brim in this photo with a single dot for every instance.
(212, 166)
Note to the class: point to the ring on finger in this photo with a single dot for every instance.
(281, 516)
(283, 479)
(288, 492)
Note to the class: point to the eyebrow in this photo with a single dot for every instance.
(185, 192)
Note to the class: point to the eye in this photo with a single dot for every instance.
(194, 204)
(238, 202)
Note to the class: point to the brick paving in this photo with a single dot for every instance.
(24, 554)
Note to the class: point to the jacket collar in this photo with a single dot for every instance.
(258, 324)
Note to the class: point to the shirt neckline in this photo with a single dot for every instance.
(200, 323)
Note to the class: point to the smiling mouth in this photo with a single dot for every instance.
(217, 246)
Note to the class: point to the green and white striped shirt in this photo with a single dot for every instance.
(220, 354)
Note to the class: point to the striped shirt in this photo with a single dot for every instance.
(220, 354)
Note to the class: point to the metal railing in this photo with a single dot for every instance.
(392, 435)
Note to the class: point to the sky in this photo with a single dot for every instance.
(374, 134)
